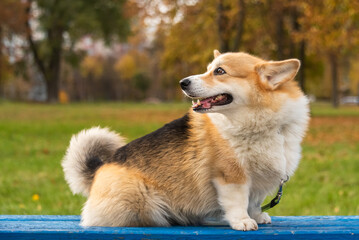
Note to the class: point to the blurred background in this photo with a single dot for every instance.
(88, 50)
(117, 63)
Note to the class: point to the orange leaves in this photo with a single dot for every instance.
(91, 65)
(330, 25)
(131, 64)
(126, 67)
(63, 98)
(12, 15)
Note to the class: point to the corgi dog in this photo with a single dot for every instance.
(240, 139)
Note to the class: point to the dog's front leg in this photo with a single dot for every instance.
(255, 211)
(234, 199)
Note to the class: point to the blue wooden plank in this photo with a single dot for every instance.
(61, 236)
(278, 221)
(40, 217)
(67, 227)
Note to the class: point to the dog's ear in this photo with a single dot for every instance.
(216, 53)
(273, 74)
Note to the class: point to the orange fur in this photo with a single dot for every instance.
(204, 164)
(242, 67)
(221, 156)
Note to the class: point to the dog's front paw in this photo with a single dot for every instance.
(246, 224)
(262, 218)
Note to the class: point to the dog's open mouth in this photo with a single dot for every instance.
(208, 103)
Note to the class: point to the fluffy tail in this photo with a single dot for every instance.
(88, 150)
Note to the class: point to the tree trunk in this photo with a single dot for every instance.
(302, 47)
(55, 40)
(49, 66)
(52, 91)
(280, 36)
(222, 23)
(225, 26)
(241, 15)
(33, 47)
(334, 78)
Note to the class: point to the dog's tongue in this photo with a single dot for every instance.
(206, 103)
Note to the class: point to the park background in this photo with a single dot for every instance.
(67, 65)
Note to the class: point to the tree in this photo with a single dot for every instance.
(10, 24)
(230, 24)
(188, 44)
(280, 29)
(92, 68)
(280, 21)
(71, 19)
(132, 68)
(331, 28)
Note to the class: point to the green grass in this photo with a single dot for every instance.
(324, 109)
(34, 138)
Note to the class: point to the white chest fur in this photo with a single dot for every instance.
(266, 143)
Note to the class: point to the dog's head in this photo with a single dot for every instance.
(233, 80)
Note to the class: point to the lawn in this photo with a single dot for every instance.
(34, 138)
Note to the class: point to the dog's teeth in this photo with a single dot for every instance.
(198, 102)
(193, 103)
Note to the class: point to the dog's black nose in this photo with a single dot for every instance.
(185, 83)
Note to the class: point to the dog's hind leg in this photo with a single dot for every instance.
(122, 197)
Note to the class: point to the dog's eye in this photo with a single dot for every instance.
(219, 71)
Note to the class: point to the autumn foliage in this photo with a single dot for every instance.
(146, 47)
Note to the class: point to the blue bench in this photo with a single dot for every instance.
(67, 227)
